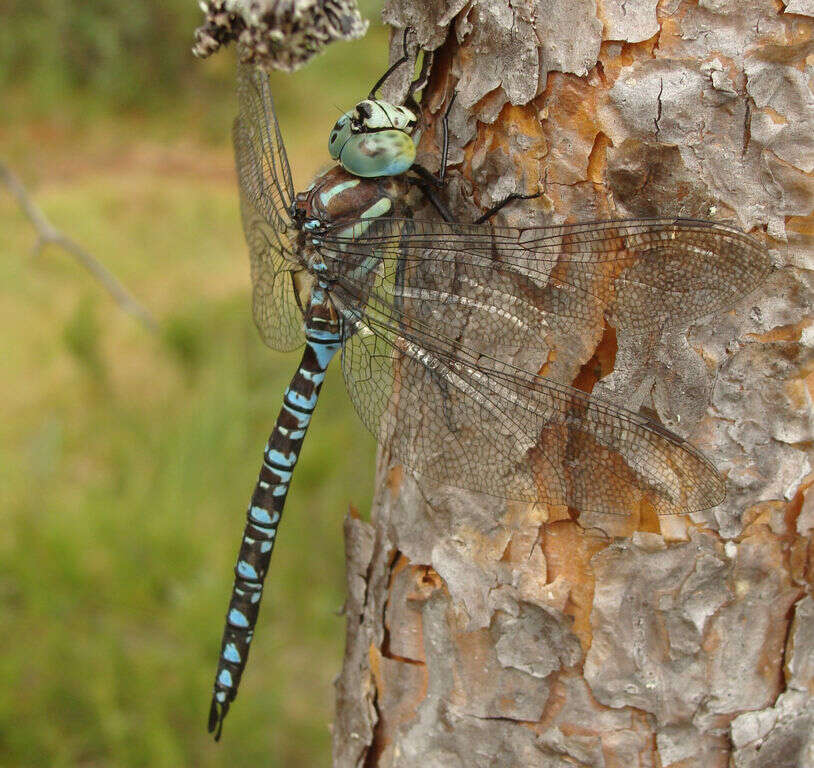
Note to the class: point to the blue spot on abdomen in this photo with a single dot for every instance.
(237, 619)
(230, 653)
(246, 571)
(225, 678)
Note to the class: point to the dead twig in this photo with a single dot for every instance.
(47, 234)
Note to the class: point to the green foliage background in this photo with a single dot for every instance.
(127, 459)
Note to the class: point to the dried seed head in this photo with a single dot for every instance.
(277, 34)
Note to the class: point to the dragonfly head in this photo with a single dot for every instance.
(374, 139)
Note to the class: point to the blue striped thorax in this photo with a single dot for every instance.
(374, 139)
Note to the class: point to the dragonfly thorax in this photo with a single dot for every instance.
(339, 195)
(374, 139)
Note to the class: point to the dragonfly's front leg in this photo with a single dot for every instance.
(428, 182)
(436, 202)
(504, 202)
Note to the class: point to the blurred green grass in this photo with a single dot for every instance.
(126, 460)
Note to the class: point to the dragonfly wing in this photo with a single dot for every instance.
(266, 194)
(437, 320)
(264, 172)
(638, 275)
(482, 425)
(656, 273)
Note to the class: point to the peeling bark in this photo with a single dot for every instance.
(487, 633)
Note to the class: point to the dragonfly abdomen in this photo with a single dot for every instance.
(265, 510)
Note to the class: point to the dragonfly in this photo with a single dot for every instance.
(443, 327)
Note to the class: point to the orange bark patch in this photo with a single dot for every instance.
(783, 332)
(573, 102)
(568, 550)
(601, 363)
(404, 687)
(502, 136)
(410, 586)
(394, 477)
(774, 116)
(802, 225)
(400, 689)
(648, 519)
(374, 660)
(597, 160)
(671, 37)
(550, 360)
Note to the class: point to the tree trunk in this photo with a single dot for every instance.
(486, 633)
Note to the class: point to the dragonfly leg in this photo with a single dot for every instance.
(426, 175)
(495, 208)
(427, 180)
(434, 200)
(438, 180)
(445, 143)
(419, 83)
(393, 67)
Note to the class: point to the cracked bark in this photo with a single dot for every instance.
(482, 633)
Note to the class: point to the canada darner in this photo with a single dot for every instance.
(443, 329)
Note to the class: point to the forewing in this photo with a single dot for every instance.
(266, 193)
(638, 275)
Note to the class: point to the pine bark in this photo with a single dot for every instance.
(485, 633)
